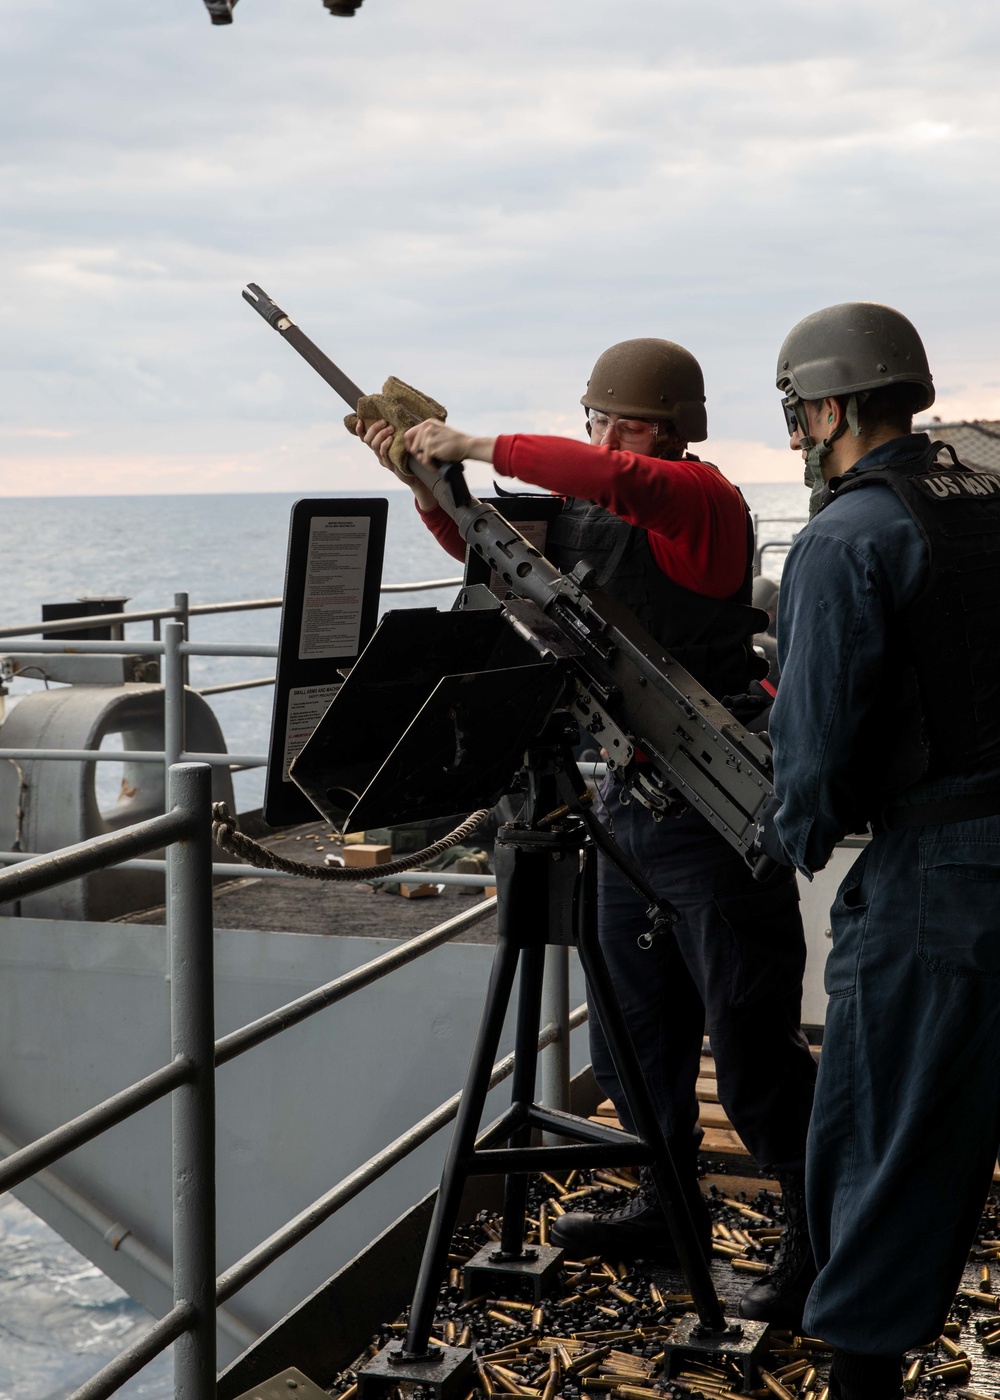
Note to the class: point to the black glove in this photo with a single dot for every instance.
(767, 848)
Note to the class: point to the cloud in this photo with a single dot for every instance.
(478, 199)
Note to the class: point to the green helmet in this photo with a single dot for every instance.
(653, 379)
(852, 348)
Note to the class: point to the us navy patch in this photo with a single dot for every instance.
(943, 485)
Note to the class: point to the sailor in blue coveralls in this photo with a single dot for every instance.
(888, 716)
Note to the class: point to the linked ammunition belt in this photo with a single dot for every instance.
(226, 835)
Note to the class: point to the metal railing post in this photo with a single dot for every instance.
(555, 1011)
(173, 696)
(192, 1020)
(183, 605)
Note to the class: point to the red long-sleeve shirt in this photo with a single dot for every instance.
(695, 518)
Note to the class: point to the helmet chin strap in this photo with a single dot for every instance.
(817, 452)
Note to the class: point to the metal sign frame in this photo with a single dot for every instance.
(333, 577)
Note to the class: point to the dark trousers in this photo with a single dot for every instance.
(906, 1127)
(733, 964)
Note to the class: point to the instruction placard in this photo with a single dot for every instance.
(334, 586)
(333, 579)
(307, 704)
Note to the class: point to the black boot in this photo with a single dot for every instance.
(855, 1377)
(781, 1294)
(636, 1229)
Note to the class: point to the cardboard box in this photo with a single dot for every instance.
(419, 891)
(364, 854)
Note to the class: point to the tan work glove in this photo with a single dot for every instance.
(402, 406)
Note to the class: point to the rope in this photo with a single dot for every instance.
(226, 835)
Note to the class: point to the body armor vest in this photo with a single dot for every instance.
(944, 700)
(710, 637)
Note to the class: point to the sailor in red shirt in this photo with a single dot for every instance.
(671, 538)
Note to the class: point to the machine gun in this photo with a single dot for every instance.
(564, 646)
(446, 712)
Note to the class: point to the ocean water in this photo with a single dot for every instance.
(60, 1318)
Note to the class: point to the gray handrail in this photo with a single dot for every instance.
(82, 624)
(254, 1263)
(185, 830)
(294, 1012)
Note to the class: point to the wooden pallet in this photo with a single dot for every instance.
(720, 1137)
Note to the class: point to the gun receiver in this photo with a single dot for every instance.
(621, 686)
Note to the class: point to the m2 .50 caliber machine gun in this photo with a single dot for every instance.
(447, 712)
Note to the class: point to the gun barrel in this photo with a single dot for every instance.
(281, 322)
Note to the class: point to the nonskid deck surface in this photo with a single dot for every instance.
(345, 910)
(602, 1336)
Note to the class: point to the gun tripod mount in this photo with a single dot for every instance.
(546, 871)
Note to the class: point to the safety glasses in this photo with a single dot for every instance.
(630, 432)
(795, 415)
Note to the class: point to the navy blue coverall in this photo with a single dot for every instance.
(906, 1122)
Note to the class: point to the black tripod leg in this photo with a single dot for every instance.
(463, 1140)
(529, 1010)
(644, 1115)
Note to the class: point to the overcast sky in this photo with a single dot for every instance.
(477, 197)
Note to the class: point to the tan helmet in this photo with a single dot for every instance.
(653, 379)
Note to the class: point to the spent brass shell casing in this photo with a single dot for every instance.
(775, 1386)
(560, 1188)
(513, 1305)
(747, 1211)
(538, 1318)
(554, 1205)
(623, 1294)
(349, 1393)
(656, 1295)
(825, 1393)
(701, 1372)
(543, 1223)
(464, 1337)
(989, 1299)
(498, 1316)
(950, 1368)
(912, 1376)
(809, 1379)
(809, 1395)
(748, 1266)
(985, 1282)
(454, 1278)
(589, 1358)
(991, 1340)
(638, 1392)
(609, 1312)
(599, 1383)
(793, 1372)
(953, 1349)
(707, 1388)
(450, 1332)
(951, 1329)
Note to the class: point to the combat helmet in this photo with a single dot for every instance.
(847, 351)
(853, 348)
(654, 379)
